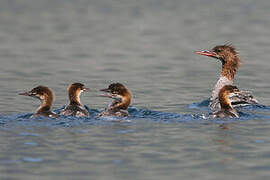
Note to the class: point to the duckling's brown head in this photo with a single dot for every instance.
(75, 90)
(40, 92)
(118, 92)
(116, 89)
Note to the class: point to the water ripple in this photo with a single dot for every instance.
(136, 115)
(32, 159)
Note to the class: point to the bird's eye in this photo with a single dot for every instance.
(218, 50)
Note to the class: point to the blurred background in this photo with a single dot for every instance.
(147, 45)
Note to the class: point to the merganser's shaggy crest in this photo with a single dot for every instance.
(45, 95)
(226, 111)
(230, 63)
(122, 98)
(75, 107)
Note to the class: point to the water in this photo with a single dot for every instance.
(148, 45)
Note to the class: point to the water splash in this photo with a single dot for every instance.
(136, 115)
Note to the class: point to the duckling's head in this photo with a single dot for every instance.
(40, 92)
(119, 93)
(75, 90)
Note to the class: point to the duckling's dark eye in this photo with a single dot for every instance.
(218, 50)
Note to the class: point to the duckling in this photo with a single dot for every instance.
(46, 96)
(226, 111)
(75, 107)
(122, 98)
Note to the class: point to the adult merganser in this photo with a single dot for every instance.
(226, 111)
(75, 107)
(122, 98)
(230, 63)
(45, 95)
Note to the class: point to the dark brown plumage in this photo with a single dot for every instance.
(226, 111)
(122, 98)
(46, 96)
(230, 60)
(229, 57)
(75, 107)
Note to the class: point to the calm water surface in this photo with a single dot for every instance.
(149, 46)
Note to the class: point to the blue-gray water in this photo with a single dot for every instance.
(148, 45)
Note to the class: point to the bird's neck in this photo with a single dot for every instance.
(225, 102)
(230, 68)
(74, 98)
(124, 103)
(46, 104)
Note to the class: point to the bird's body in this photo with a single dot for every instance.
(75, 107)
(230, 64)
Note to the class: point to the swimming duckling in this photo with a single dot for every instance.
(46, 96)
(122, 98)
(226, 111)
(75, 107)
